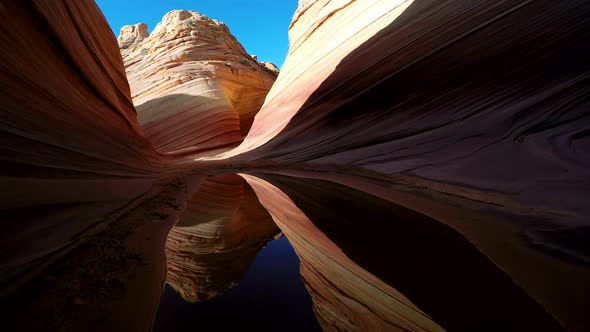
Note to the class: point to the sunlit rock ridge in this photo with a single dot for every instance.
(473, 94)
(194, 85)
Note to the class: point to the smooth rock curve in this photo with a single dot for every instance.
(194, 85)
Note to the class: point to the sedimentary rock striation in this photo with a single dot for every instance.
(487, 95)
(132, 34)
(72, 149)
(194, 85)
(217, 238)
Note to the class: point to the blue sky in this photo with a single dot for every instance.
(260, 25)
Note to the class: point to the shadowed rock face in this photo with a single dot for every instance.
(71, 148)
(490, 95)
(217, 238)
(207, 87)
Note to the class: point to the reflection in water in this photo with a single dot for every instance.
(216, 238)
(346, 297)
(270, 297)
(44, 230)
(372, 265)
(356, 261)
(216, 260)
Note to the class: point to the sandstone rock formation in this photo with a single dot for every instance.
(72, 149)
(194, 85)
(467, 99)
(473, 99)
(443, 90)
(217, 238)
(132, 34)
(270, 66)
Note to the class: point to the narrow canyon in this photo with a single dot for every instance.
(426, 165)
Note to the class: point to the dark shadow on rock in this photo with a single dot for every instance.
(570, 244)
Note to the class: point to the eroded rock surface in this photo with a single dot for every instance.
(72, 149)
(194, 85)
(487, 95)
(132, 34)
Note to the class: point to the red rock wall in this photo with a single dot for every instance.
(69, 132)
(484, 94)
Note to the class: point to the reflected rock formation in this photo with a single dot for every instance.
(377, 266)
(72, 149)
(490, 95)
(194, 85)
(217, 238)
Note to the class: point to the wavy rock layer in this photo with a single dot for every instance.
(194, 85)
(217, 238)
(71, 144)
(492, 95)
